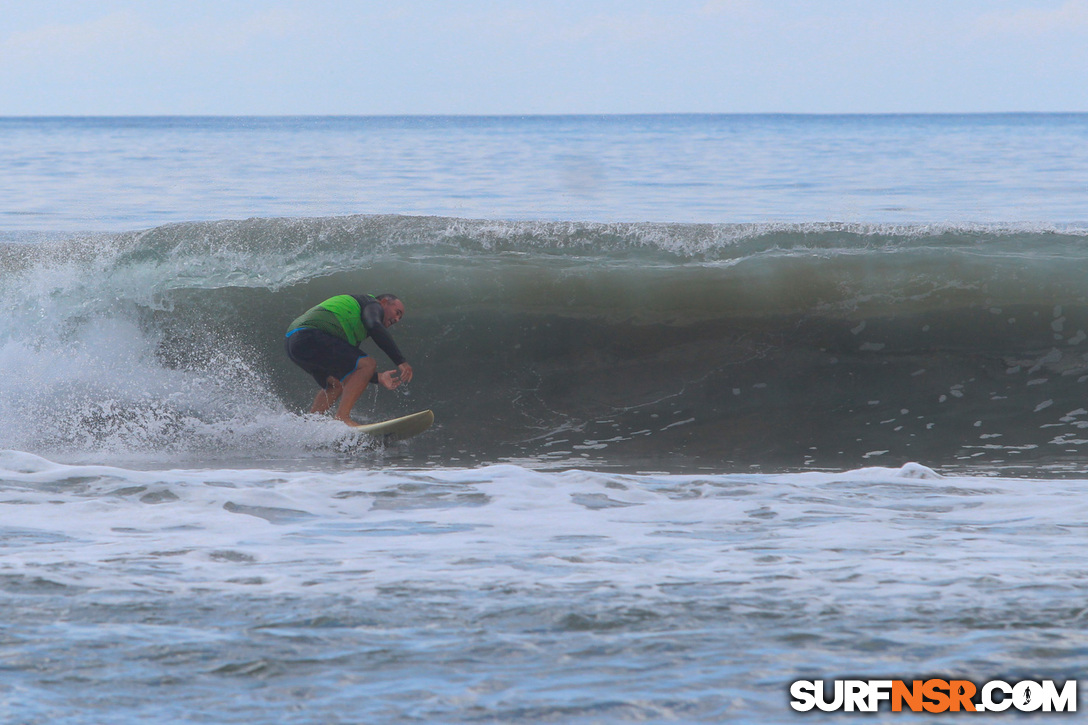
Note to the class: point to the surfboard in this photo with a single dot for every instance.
(398, 429)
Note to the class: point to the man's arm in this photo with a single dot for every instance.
(374, 322)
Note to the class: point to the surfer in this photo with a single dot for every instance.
(324, 342)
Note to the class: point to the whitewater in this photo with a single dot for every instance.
(721, 403)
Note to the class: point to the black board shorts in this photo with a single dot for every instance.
(321, 354)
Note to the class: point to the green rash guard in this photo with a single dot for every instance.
(339, 316)
(351, 318)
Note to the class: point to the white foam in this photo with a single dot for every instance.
(351, 532)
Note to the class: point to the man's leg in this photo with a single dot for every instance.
(327, 396)
(353, 387)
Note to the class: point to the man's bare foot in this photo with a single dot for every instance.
(350, 423)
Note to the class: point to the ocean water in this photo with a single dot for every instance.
(721, 402)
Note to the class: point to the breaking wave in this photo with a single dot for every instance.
(645, 345)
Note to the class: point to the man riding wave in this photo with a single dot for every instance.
(324, 342)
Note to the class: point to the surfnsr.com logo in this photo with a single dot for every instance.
(934, 696)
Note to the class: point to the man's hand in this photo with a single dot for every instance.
(392, 379)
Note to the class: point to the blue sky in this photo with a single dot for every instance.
(127, 57)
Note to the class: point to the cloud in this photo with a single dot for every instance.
(126, 31)
(573, 27)
(1070, 17)
(275, 23)
(727, 7)
(616, 28)
(75, 39)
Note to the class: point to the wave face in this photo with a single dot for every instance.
(643, 345)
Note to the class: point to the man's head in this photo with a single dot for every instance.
(392, 308)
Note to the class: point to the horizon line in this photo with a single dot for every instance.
(540, 115)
